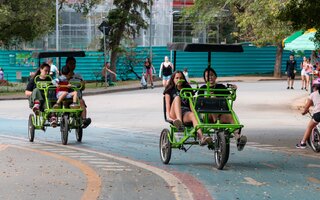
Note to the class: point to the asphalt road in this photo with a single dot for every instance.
(126, 128)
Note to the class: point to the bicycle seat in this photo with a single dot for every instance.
(212, 105)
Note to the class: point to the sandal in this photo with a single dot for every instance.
(177, 123)
(205, 140)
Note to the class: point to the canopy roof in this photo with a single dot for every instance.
(195, 47)
(302, 42)
(48, 54)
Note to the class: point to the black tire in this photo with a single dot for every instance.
(314, 140)
(79, 132)
(165, 146)
(222, 150)
(64, 128)
(31, 128)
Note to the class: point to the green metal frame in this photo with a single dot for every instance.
(40, 120)
(207, 127)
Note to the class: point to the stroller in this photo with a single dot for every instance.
(143, 82)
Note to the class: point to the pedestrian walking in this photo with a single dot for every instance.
(166, 70)
(291, 69)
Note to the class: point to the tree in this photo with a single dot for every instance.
(303, 14)
(126, 21)
(22, 21)
(214, 18)
(258, 21)
(25, 20)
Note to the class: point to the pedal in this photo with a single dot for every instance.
(183, 148)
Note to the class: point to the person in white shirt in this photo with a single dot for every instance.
(53, 69)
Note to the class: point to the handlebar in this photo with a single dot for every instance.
(229, 92)
(42, 85)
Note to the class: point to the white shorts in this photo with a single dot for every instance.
(303, 72)
(69, 95)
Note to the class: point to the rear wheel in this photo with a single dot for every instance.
(64, 128)
(31, 128)
(79, 132)
(222, 149)
(314, 140)
(165, 146)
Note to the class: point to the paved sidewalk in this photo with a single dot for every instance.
(136, 86)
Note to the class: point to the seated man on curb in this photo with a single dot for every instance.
(71, 64)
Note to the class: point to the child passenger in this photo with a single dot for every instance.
(313, 100)
(63, 89)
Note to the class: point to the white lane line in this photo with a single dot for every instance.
(115, 169)
(313, 165)
(110, 166)
(50, 149)
(93, 159)
(103, 162)
(63, 151)
(74, 154)
(81, 156)
(251, 181)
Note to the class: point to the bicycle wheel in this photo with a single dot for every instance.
(222, 150)
(165, 146)
(314, 140)
(31, 128)
(64, 128)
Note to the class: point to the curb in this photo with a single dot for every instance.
(158, 83)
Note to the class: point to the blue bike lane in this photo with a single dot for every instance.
(253, 173)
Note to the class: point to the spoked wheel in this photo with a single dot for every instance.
(314, 140)
(222, 149)
(165, 146)
(79, 132)
(31, 128)
(64, 128)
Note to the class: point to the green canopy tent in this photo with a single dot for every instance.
(300, 41)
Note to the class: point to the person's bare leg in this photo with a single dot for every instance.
(309, 128)
(84, 109)
(164, 83)
(292, 81)
(175, 111)
(61, 97)
(307, 82)
(303, 82)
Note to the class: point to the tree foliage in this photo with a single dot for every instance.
(258, 21)
(21, 20)
(206, 15)
(126, 21)
(302, 14)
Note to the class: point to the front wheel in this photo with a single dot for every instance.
(165, 146)
(31, 128)
(64, 128)
(222, 149)
(314, 140)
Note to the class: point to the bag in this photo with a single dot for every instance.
(143, 82)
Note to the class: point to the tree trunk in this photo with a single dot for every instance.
(277, 66)
(113, 60)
